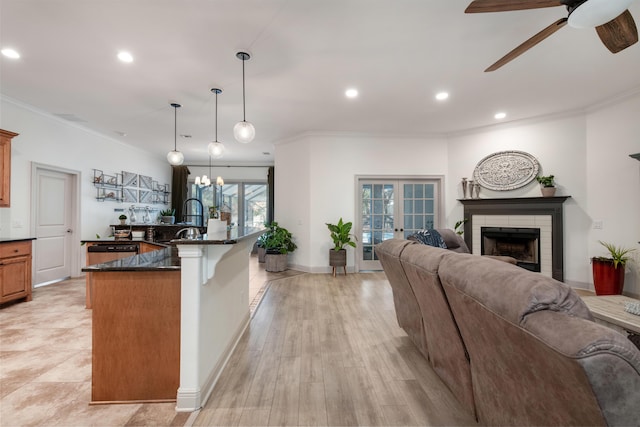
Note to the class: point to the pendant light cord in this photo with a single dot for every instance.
(175, 128)
(216, 116)
(244, 114)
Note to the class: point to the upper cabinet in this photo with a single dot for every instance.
(5, 167)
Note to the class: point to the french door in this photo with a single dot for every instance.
(394, 208)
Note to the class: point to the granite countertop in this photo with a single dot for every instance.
(162, 259)
(15, 239)
(228, 237)
(122, 241)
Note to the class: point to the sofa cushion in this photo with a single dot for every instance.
(447, 353)
(511, 291)
(537, 358)
(407, 310)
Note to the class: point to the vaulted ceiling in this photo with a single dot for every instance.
(304, 54)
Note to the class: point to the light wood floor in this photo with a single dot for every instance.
(328, 351)
(319, 351)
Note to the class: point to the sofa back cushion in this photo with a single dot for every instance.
(447, 353)
(532, 345)
(407, 309)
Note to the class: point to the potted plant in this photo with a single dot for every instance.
(167, 216)
(278, 243)
(123, 219)
(608, 271)
(459, 227)
(261, 249)
(341, 236)
(546, 185)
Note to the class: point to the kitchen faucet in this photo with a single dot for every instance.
(198, 216)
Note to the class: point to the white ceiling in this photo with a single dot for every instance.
(305, 53)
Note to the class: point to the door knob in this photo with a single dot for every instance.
(69, 230)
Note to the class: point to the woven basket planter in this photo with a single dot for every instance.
(275, 262)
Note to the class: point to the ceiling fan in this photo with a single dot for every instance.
(611, 18)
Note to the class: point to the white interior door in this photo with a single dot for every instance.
(393, 208)
(53, 225)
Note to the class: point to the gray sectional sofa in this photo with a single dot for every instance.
(513, 346)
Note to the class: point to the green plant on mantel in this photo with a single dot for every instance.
(545, 181)
(168, 212)
(122, 217)
(619, 255)
(459, 227)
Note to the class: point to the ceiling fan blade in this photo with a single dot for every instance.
(479, 6)
(619, 33)
(528, 44)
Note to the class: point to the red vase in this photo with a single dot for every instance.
(607, 280)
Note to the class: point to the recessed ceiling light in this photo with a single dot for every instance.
(442, 96)
(10, 53)
(125, 56)
(185, 136)
(500, 116)
(351, 93)
(266, 153)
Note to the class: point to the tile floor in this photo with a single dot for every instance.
(45, 362)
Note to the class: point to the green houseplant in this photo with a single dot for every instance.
(547, 185)
(608, 271)
(123, 219)
(167, 216)
(277, 242)
(341, 235)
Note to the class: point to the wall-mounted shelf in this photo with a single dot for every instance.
(108, 187)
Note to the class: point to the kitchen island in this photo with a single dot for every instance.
(165, 322)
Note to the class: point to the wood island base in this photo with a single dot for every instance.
(136, 336)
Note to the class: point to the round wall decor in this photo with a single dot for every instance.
(506, 170)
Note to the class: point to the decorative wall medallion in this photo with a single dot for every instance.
(506, 170)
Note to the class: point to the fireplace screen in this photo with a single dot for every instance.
(522, 244)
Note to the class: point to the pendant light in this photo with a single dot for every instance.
(216, 148)
(175, 157)
(243, 131)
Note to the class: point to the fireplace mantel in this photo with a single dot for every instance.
(552, 206)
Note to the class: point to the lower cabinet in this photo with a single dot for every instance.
(15, 271)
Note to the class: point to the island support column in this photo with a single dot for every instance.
(214, 314)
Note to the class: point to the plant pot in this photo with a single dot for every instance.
(123, 222)
(607, 280)
(548, 191)
(168, 219)
(275, 262)
(261, 254)
(338, 259)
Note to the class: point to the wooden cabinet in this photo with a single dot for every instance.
(5, 167)
(15, 271)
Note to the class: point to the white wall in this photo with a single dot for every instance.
(48, 140)
(613, 182)
(320, 170)
(560, 147)
(588, 153)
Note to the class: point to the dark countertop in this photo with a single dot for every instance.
(167, 258)
(111, 240)
(15, 239)
(223, 237)
(162, 259)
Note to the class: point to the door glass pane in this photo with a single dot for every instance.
(230, 201)
(419, 207)
(255, 205)
(376, 217)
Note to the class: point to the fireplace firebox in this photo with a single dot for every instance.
(523, 244)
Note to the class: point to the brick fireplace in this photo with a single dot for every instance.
(540, 216)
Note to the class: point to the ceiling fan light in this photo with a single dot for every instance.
(593, 13)
(216, 149)
(244, 132)
(175, 158)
